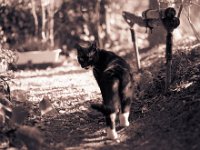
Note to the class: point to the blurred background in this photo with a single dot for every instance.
(31, 25)
(44, 32)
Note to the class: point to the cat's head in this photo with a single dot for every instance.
(87, 55)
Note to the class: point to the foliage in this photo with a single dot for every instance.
(74, 21)
(78, 20)
(16, 24)
(8, 55)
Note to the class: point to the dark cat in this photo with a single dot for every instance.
(114, 78)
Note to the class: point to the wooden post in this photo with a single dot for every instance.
(131, 20)
(169, 44)
(170, 22)
(135, 45)
(152, 18)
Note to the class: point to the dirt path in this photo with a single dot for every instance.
(76, 126)
(71, 91)
(158, 121)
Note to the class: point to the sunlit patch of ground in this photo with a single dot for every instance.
(68, 83)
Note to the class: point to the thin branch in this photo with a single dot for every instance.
(34, 16)
(180, 10)
(44, 38)
(195, 4)
(192, 26)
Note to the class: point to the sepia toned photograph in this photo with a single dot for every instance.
(100, 74)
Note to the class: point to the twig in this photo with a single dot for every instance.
(192, 26)
(180, 10)
(195, 4)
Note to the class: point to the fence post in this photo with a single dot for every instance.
(135, 45)
(170, 22)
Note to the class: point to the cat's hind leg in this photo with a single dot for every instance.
(110, 117)
(109, 90)
(123, 118)
(125, 112)
(111, 129)
(125, 93)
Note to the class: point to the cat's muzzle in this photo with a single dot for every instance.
(85, 67)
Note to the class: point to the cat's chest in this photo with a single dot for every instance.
(98, 73)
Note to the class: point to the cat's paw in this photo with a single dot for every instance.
(123, 119)
(112, 134)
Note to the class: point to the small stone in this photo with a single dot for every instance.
(118, 140)
(83, 108)
(62, 111)
(81, 119)
(46, 107)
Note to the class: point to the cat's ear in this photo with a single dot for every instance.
(78, 47)
(93, 45)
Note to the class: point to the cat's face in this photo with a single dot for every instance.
(86, 55)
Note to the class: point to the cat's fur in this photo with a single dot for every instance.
(114, 78)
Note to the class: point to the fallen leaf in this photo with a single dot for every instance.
(46, 107)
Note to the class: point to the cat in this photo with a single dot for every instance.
(114, 78)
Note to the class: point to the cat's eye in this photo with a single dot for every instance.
(81, 59)
(91, 54)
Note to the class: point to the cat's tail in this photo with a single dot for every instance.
(102, 108)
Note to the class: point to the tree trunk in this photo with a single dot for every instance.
(44, 38)
(104, 20)
(99, 30)
(35, 17)
(51, 23)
